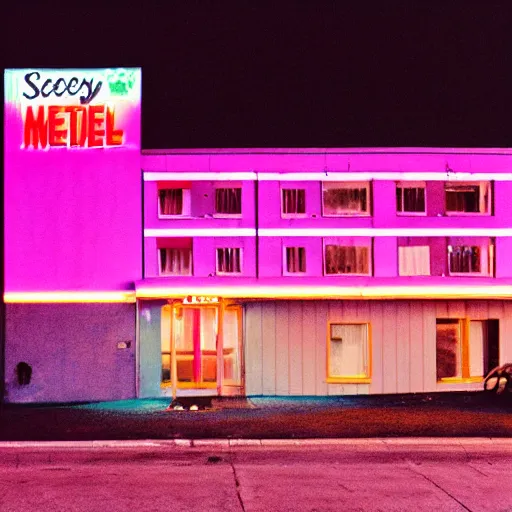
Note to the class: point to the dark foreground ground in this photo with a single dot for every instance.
(420, 415)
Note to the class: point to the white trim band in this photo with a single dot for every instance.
(188, 232)
(412, 232)
(199, 176)
(385, 176)
(327, 232)
(327, 176)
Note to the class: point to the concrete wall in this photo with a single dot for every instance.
(286, 344)
(72, 349)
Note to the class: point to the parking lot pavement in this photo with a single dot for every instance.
(463, 415)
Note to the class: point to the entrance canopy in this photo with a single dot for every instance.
(334, 288)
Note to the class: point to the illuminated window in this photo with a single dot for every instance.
(473, 198)
(414, 261)
(229, 260)
(293, 202)
(345, 199)
(347, 260)
(410, 198)
(466, 348)
(228, 201)
(295, 260)
(348, 351)
(174, 202)
(471, 259)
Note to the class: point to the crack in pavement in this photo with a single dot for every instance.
(414, 469)
(469, 460)
(237, 482)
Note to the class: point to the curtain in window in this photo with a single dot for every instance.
(176, 261)
(228, 200)
(348, 351)
(464, 259)
(228, 260)
(464, 198)
(346, 260)
(477, 347)
(345, 200)
(410, 199)
(448, 349)
(414, 261)
(171, 201)
(295, 259)
(294, 201)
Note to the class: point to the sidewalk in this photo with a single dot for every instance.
(380, 416)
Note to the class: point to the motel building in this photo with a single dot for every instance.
(222, 272)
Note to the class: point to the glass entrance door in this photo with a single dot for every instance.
(202, 348)
(232, 363)
(195, 341)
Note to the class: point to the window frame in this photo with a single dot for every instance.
(489, 208)
(292, 215)
(191, 268)
(285, 261)
(488, 262)
(364, 378)
(347, 186)
(465, 350)
(411, 184)
(218, 215)
(186, 204)
(369, 262)
(223, 273)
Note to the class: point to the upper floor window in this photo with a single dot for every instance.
(175, 261)
(474, 198)
(410, 198)
(347, 260)
(345, 198)
(471, 259)
(414, 260)
(228, 201)
(229, 260)
(293, 202)
(295, 260)
(173, 202)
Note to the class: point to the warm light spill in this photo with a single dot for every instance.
(71, 297)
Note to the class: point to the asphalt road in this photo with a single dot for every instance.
(344, 475)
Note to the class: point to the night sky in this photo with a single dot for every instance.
(291, 74)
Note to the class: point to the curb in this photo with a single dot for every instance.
(275, 443)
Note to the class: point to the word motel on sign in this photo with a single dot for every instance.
(90, 126)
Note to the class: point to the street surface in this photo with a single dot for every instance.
(343, 475)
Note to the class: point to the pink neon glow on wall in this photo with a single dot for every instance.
(72, 209)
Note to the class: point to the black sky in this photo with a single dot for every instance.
(291, 74)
